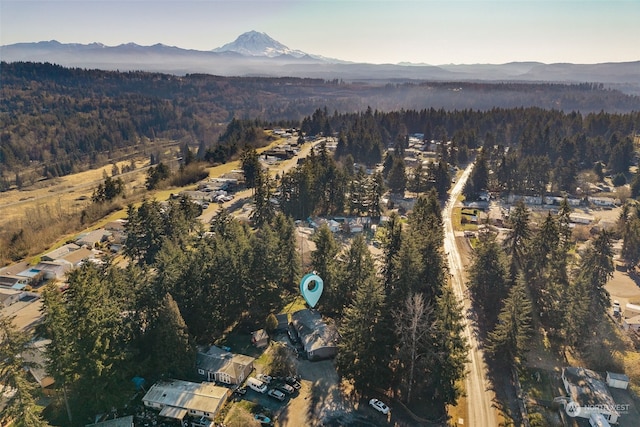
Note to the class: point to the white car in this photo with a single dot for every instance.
(379, 406)
(264, 378)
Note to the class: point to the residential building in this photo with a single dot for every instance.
(9, 296)
(319, 339)
(586, 388)
(116, 422)
(223, 366)
(176, 398)
(61, 252)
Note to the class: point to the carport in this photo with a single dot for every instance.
(173, 412)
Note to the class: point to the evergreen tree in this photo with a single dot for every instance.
(357, 268)
(517, 238)
(171, 350)
(397, 179)
(287, 255)
(22, 406)
(450, 349)
(251, 167)
(391, 246)
(360, 359)
(264, 211)
(509, 341)
(59, 362)
(488, 277)
(596, 268)
(323, 261)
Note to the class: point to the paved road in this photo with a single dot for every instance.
(479, 396)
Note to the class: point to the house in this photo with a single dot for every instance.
(319, 339)
(606, 202)
(48, 269)
(617, 380)
(92, 238)
(578, 218)
(631, 317)
(176, 398)
(117, 229)
(76, 258)
(117, 422)
(356, 225)
(14, 282)
(36, 358)
(586, 388)
(260, 338)
(10, 296)
(223, 366)
(61, 252)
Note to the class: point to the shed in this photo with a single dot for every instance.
(617, 380)
(260, 338)
(283, 321)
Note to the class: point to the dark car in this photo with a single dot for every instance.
(240, 390)
(293, 382)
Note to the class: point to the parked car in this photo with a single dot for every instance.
(264, 378)
(287, 388)
(293, 382)
(240, 390)
(616, 308)
(276, 394)
(379, 406)
(256, 385)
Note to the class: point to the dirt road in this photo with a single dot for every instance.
(479, 394)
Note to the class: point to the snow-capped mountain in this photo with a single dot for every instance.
(253, 43)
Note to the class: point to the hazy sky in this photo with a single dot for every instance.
(375, 31)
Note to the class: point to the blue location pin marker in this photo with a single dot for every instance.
(310, 292)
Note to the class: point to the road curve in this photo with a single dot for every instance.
(480, 411)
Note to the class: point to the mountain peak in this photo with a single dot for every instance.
(254, 43)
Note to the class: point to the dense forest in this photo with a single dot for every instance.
(61, 120)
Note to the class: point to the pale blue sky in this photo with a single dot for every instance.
(375, 31)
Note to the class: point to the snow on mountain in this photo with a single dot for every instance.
(253, 43)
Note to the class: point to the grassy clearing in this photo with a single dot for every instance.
(458, 412)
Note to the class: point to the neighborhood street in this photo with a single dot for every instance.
(478, 391)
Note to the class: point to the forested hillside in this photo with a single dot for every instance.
(57, 120)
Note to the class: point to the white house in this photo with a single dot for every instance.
(176, 398)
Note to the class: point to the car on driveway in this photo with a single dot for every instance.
(293, 382)
(276, 394)
(287, 388)
(379, 406)
(264, 378)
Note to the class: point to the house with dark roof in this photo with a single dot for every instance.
(319, 338)
(219, 365)
(587, 389)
